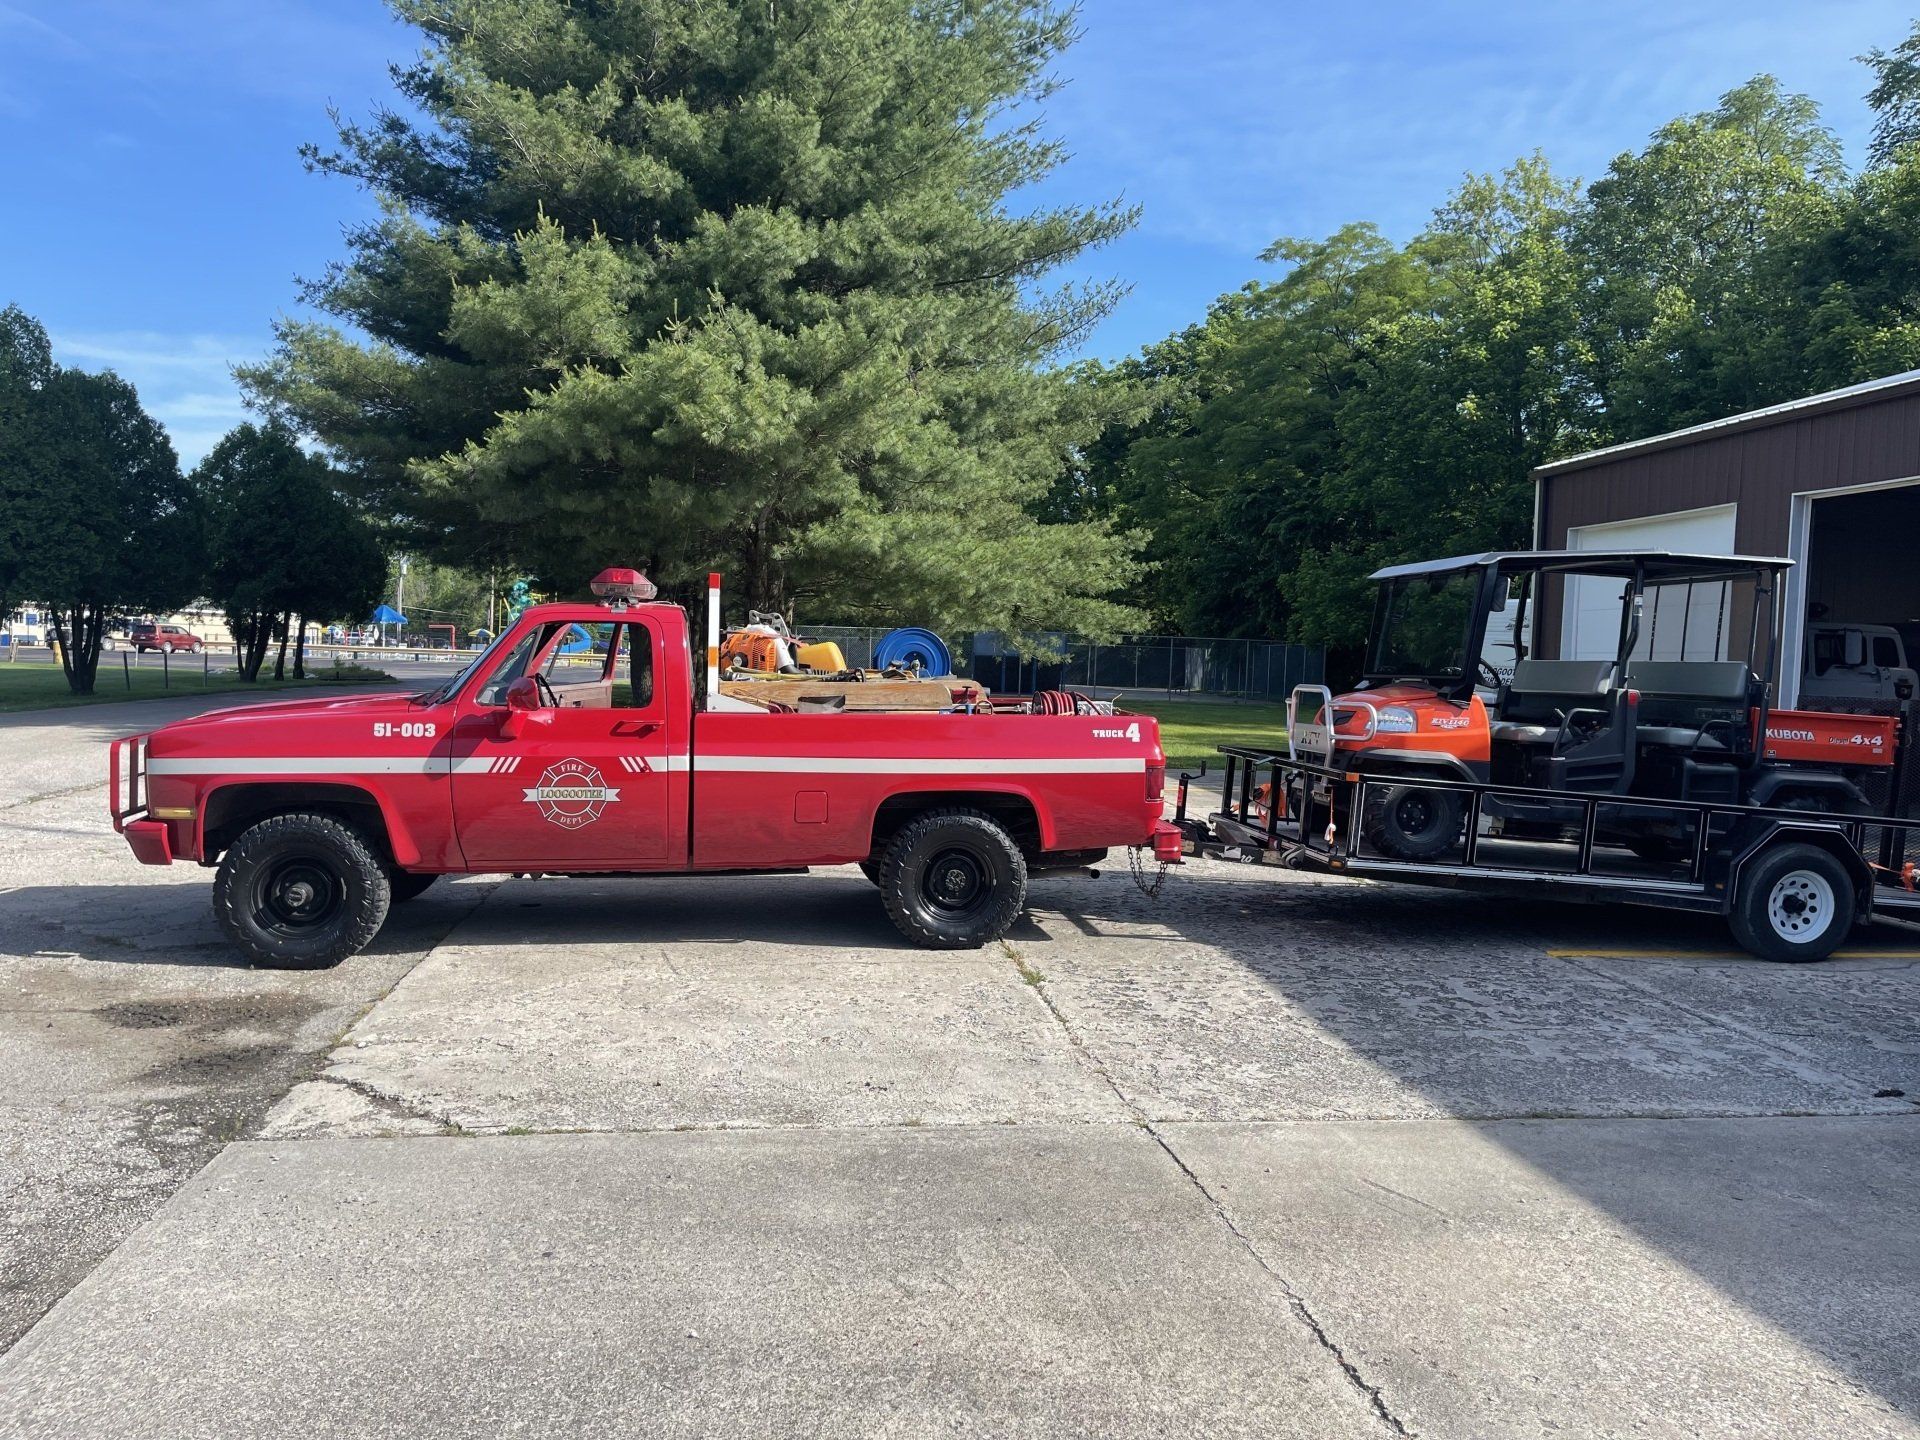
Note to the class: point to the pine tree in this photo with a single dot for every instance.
(743, 284)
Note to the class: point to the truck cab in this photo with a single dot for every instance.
(579, 743)
(1851, 662)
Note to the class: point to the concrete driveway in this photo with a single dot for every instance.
(1268, 1155)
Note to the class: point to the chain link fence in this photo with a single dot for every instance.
(1137, 664)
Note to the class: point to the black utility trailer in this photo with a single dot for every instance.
(1793, 884)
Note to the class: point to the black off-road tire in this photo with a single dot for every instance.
(953, 880)
(1795, 904)
(301, 892)
(408, 885)
(1412, 822)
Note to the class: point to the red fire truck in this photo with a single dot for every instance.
(578, 743)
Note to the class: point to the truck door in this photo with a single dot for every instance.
(582, 781)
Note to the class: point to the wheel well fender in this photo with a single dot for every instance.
(1029, 823)
(1835, 791)
(1415, 767)
(229, 809)
(1830, 838)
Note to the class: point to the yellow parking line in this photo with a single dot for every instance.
(1717, 955)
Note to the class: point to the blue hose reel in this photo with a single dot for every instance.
(903, 647)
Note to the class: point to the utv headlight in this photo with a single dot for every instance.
(1395, 721)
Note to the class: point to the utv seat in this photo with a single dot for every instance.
(1528, 703)
(1676, 697)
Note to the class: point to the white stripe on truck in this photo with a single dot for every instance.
(704, 764)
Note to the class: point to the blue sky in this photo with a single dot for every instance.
(156, 213)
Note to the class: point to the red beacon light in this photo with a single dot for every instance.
(620, 587)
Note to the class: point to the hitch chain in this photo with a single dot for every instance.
(1136, 862)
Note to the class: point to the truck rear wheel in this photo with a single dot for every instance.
(300, 892)
(1796, 904)
(953, 880)
(1412, 822)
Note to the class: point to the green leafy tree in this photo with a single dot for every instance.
(99, 521)
(26, 369)
(1895, 98)
(282, 545)
(1685, 306)
(732, 285)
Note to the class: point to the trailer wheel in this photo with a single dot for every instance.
(1795, 905)
(1412, 822)
(953, 880)
(300, 892)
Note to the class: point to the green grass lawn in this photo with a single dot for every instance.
(1191, 730)
(28, 686)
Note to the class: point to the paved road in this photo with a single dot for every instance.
(133, 1044)
(1271, 1155)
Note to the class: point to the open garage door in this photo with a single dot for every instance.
(1857, 569)
(1682, 622)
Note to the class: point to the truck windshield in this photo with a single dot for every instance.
(443, 693)
(1424, 631)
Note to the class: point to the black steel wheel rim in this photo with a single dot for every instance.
(956, 882)
(1415, 812)
(298, 894)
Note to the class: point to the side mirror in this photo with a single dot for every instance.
(1856, 650)
(523, 708)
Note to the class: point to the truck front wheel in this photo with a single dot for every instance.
(1795, 904)
(953, 880)
(300, 892)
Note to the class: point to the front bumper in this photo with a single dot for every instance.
(152, 841)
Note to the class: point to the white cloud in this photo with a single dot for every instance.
(185, 381)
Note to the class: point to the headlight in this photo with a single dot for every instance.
(1395, 721)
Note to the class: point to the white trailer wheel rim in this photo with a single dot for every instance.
(1801, 906)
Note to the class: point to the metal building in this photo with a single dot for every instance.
(1831, 481)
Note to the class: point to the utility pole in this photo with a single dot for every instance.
(400, 588)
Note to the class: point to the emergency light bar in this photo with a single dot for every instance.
(619, 587)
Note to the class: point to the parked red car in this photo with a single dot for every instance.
(149, 636)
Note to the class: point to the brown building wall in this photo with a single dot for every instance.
(1759, 467)
(1757, 464)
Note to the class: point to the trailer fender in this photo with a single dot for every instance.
(1832, 838)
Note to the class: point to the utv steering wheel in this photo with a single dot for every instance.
(549, 697)
(1493, 675)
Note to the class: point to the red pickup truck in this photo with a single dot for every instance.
(579, 743)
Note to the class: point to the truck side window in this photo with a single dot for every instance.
(1886, 653)
(1827, 650)
(638, 693)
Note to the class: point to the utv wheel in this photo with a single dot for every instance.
(1796, 904)
(300, 892)
(953, 880)
(407, 885)
(1412, 822)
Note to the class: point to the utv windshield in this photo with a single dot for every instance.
(1424, 627)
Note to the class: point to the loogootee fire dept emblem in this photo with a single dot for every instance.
(571, 794)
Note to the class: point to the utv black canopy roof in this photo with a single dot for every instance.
(1660, 567)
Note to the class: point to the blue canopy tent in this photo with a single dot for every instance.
(386, 615)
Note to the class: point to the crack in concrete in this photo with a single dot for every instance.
(1296, 1303)
(392, 1106)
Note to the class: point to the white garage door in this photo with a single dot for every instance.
(1680, 621)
